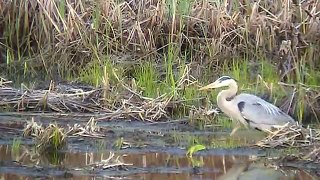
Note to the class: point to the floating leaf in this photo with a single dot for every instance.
(194, 149)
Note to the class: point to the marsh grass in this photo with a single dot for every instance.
(100, 144)
(94, 72)
(119, 143)
(224, 122)
(48, 140)
(103, 42)
(16, 145)
(146, 76)
(225, 143)
(196, 144)
(54, 139)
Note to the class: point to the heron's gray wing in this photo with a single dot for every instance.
(257, 111)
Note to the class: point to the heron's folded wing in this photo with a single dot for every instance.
(262, 112)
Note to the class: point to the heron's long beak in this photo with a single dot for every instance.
(209, 86)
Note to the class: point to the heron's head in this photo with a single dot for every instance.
(221, 82)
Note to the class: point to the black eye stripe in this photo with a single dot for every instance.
(223, 78)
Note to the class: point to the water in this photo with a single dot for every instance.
(151, 151)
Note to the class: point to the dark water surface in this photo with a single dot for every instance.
(150, 151)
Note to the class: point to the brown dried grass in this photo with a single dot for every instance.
(68, 34)
(76, 31)
(68, 98)
(291, 136)
(53, 137)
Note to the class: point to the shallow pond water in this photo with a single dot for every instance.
(149, 151)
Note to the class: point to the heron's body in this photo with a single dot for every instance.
(247, 109)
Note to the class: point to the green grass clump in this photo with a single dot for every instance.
(94, 72)
(224, 122)
(118, 144)
(52, 139)
(91, 74)
(16, 144)
(100, 144)
(147, 79)
(57, 139)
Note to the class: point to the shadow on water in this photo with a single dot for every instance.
(153, 151)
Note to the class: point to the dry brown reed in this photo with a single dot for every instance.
(63, 36)
(53, 137)
(76, 31)
(296, 137)
(65, 98)
(291, 136)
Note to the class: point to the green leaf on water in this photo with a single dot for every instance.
(194, 149)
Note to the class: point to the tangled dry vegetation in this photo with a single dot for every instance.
(53, 137)
(307, 140)
(68, 98)
(291, 136)
(62, 37)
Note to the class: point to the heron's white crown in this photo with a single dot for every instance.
(220, 82)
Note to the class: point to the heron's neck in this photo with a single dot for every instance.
(226, 95)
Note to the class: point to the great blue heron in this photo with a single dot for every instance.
(247, 109)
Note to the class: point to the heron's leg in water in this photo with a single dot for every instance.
(234, 130)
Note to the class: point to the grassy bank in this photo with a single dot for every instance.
(168, 47)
